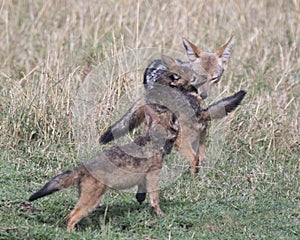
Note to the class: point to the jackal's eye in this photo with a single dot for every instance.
(174, 77)
(214, 79)
(193, 79)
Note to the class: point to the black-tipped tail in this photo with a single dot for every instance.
(224, 106)
(233, 101)
(57, 183)
(46, 190)
(107, 136)
(129, 121)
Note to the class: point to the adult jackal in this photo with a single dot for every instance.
(207, 69)
(175, 75)
(119, 167)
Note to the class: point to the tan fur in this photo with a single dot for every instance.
(191, 129)
(213, 64)
(116, 168)
(208, 68)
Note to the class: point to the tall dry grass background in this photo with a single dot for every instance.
(48, 48)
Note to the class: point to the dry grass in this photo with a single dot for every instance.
(49, 48)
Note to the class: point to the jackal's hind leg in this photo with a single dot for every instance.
(90, 192)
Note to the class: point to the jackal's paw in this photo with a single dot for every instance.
(194, 170)
(159, 212)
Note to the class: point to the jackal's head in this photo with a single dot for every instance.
(179, 76)
(212, 64)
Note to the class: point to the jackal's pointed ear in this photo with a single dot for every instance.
(192, 51)
(170, 62)
(224, 52)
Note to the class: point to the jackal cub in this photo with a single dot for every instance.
(120, 167)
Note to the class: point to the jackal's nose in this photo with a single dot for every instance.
(203, 95)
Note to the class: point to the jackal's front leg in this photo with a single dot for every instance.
(152, 189)
(188, 151)
(202, 141)
(184, 144)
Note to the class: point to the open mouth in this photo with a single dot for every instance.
(215, 79)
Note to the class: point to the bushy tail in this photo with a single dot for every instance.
(131, 120)
(57, 183)
(223, 107)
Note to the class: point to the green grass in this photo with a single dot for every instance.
(249, 186)
(228, 202)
